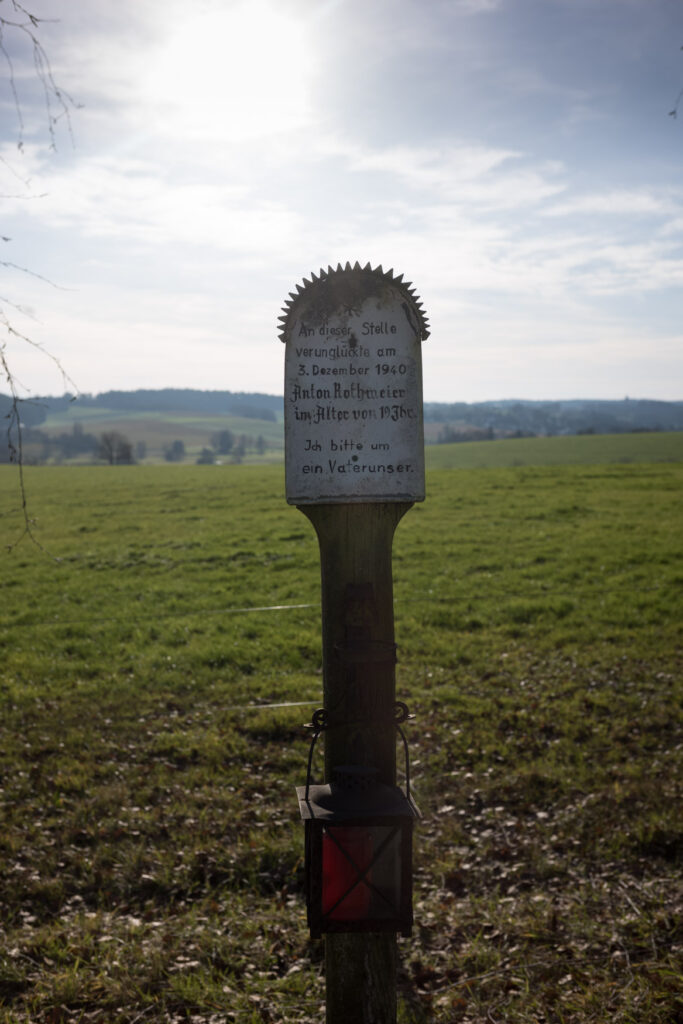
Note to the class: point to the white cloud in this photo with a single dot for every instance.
(474, 6)
(617, 202)
(490, 177)
(185, 215)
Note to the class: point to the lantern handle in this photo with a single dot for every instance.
(318, 723)
(401, 714)
(320, 720)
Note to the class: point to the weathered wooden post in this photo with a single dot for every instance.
(354, 460)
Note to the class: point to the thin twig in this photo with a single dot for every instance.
(52, 93)
(67, 382)
(25, 270)
(16, 454)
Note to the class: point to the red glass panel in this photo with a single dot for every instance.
(347, 854)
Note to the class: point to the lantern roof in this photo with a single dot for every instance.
(335, 803)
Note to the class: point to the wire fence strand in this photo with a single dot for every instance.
(428, 598)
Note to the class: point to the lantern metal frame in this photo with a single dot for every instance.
(363, 828)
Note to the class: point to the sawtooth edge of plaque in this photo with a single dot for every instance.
(346, 288)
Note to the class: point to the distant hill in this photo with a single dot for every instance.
(499, 418)
(251, 405)
(518, 418)
(154, 419)
(169, 424)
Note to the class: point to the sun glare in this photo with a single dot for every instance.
(234, 74)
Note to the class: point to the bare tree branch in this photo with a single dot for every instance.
(14, 444)
(23, 25)
(58, 103)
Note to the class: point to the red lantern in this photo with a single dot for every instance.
(347, 856)
(358, 854)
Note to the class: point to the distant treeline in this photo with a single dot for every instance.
(461, 420)
(481, 421)
(115, 448)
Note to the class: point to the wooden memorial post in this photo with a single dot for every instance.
(354, 461)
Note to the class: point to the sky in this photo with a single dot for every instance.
(514, 159)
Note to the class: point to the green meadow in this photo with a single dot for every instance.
(160, 654)
(576, 449)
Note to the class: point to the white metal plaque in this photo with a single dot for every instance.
(353, 390)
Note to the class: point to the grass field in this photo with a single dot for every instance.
(150, 848)
(585, 449)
